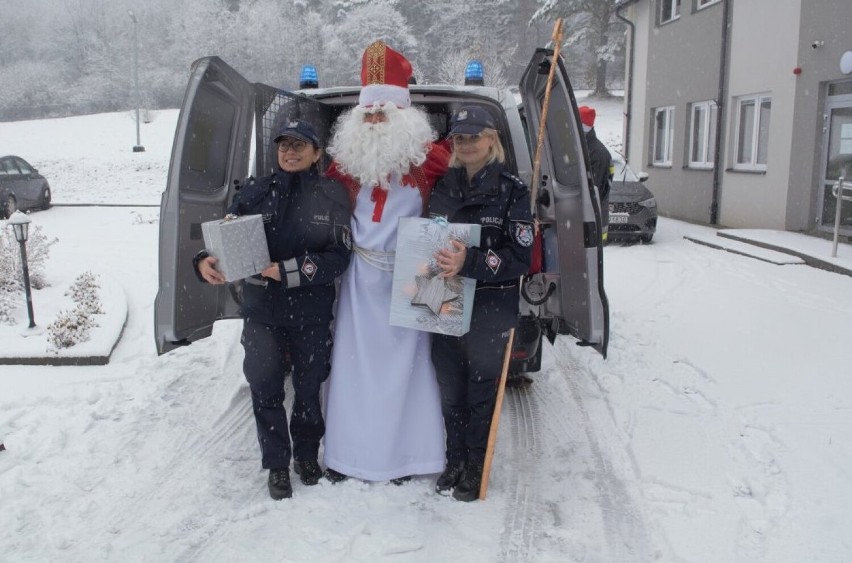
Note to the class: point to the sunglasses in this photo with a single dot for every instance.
(296, 146)
(468, 139)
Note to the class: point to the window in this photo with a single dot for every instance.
(23, 166)
(663, 135)
(752, 132)
(10, 168)
(704, 3)
(560, 143)
(702, 134)
(669, 10)
(840, 88)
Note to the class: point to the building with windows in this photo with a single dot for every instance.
(739, 110)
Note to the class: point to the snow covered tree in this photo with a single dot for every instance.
(38, 251)
(11, 272)
(355, 28)
(66, 57)
(453, 66)
(590, 25)
(454, 32)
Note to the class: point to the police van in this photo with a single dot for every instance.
(224, 135)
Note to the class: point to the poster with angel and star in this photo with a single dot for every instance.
(421, 298)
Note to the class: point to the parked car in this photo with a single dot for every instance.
(21, 186)
(632, 206)
(224, 134)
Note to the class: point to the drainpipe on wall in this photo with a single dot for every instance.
(629, 85)
(721, 103)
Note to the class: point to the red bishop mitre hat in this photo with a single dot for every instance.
(384, 77)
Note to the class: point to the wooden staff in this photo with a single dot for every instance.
(501, 386)
(495, 418)
(556, 37)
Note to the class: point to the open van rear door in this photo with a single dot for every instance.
(211, 151)
(568, 209)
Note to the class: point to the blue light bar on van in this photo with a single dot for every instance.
(474, 73)
(308, 77)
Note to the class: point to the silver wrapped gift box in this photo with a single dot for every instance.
(238, 244)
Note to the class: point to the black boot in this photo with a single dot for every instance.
(279, 484)
(450, 477)
(401, 480)
(309, 471)
(334, 476)
(468, 488)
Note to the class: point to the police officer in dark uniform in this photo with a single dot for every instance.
(288, 308)
(601, 162)
(477, 189)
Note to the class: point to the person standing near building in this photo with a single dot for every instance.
(601, 162)
(288, 308)
(383, 409)
(477, 189)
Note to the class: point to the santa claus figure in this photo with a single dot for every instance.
(383, 418)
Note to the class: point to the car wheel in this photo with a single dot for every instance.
(647, 238)
(9, 206)
(45, 198)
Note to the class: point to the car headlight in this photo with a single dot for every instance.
(650, 202)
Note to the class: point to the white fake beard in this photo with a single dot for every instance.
(375, 152)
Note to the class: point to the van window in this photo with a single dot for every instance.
(563, 144)
(208, 137)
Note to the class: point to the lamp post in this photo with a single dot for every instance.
(138, 147)
(20, 223)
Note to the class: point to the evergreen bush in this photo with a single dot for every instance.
(69, 328)
(73, 326)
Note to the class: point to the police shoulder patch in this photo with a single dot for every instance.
(523, 233)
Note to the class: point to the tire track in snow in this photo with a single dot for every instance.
(624, 528)
(523, 505)
(580, 505)
(184, 441)
(235, 505)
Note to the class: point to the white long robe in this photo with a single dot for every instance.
(383, 411)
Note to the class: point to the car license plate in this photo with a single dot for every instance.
(618, 217)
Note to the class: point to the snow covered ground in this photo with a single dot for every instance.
(719, 428)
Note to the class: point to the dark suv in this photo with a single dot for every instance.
(632, 206)
(224, 134)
